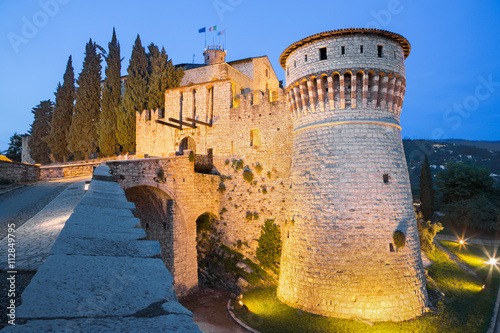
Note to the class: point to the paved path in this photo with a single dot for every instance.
(35, 237)
(470, 240)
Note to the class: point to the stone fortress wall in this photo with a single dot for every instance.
(328, 165)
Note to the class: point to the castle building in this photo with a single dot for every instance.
(333, 172)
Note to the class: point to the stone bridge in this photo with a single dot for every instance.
(169, 197)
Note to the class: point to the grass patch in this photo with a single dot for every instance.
(466, 308)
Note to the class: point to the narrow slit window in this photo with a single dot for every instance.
(386, 178)
(164, 226)
(361, 49)
(395, 54)
(342, 50)
(322, 53)
(380, 51)
(391, 247)
(305, 57)
(295, 64)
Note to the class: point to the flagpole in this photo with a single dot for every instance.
(205, 37)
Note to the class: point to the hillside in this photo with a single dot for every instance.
(440, 152)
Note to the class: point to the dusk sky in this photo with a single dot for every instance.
(453, 71)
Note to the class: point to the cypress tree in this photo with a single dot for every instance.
(134, 98)
(111, 98)
(426, 190)
(82, 138)
(14, 152)
(39, 130)
(162, 76)
(63, 111)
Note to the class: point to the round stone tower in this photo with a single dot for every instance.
(350, 188)
(214, 55)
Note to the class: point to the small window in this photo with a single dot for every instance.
(255, 140)
(386, 178)
(391, 247)
(305, 57)
(295, 64)
(380, 51)
(342, 50)
(267, 72)
(395, 54)
(361, 49)
(147, 225)
(322, 53)
(287, 70)
(164, 226)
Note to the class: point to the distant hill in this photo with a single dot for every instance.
(488, 145)
(440, 152)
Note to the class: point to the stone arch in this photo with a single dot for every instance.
(336, 89)
(187, 143)
(163, 220)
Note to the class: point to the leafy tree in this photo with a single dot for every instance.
(426, 232)
(134, 98)
(14, 151)
(162, 76)
(426, 190)
(269, 245)
(111, 98)
(461, 181)
(63, 112)
(478, 212)
(39, 130)
(82, 138)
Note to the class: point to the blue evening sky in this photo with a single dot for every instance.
(453, 71)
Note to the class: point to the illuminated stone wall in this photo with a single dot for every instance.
(350, 189)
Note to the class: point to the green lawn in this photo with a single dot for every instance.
(467, 307)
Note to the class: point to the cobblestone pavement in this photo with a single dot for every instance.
(35, 237)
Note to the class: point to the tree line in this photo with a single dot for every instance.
(98, 117)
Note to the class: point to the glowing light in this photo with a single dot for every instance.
(461, 242)
(241, 303)
(483, 286)
(492, 261)
(87, 185)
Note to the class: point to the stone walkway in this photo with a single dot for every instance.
(35, 238)
(101, 275)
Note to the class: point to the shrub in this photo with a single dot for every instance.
(160, 176)
(238, 164)
(264, 190)
(249, 216)
(258, 168)
(255, 216)
(399, 239)
(247, 175)
(191, 156)
(222, 187)
(426, 232)
(238, 244)
(269, 246)
(227, 162)
(269, 174)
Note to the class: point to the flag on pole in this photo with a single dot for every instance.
(223, 32)
(204, 29)
(214, 28)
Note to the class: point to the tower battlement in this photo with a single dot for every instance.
(349, 181)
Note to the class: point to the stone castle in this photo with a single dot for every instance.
(327, 161)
